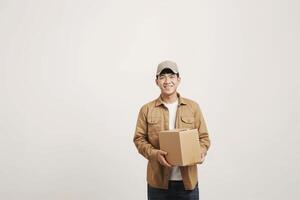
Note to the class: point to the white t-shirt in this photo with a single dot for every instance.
(172, 107)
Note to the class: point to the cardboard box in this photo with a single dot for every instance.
(182, 145)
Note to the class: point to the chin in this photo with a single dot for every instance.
(169, 92)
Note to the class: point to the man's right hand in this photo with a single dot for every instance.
(161, 158)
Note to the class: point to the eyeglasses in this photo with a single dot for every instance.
(165, 76)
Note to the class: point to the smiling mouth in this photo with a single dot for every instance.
(168, 87)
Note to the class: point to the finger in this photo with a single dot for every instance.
(165, 163)
(163, 152)
(160, 159)
(203, 158)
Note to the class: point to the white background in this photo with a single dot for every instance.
(73, 75)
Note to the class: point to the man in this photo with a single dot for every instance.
(169, 111)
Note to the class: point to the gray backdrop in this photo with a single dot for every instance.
(73, 75)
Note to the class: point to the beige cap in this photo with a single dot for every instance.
(167, 64)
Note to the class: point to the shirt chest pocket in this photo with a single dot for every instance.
(187, 122)
(154, 125)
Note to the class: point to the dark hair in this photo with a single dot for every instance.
(167, 71)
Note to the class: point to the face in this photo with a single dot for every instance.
(168, 83)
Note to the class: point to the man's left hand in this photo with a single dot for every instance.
(202, 158)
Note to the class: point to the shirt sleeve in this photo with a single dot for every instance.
(140, 138)
(202, 130)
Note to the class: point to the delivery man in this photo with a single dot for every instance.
(170, 110)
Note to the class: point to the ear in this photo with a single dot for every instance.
(179, 79)
(156, 81)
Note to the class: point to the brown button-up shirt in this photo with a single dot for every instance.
(154, 117)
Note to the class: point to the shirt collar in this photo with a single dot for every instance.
(160, 102)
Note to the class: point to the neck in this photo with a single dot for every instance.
(169, 98)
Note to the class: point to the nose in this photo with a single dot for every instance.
(167, 79)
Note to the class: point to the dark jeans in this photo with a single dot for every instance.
(176, 191)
